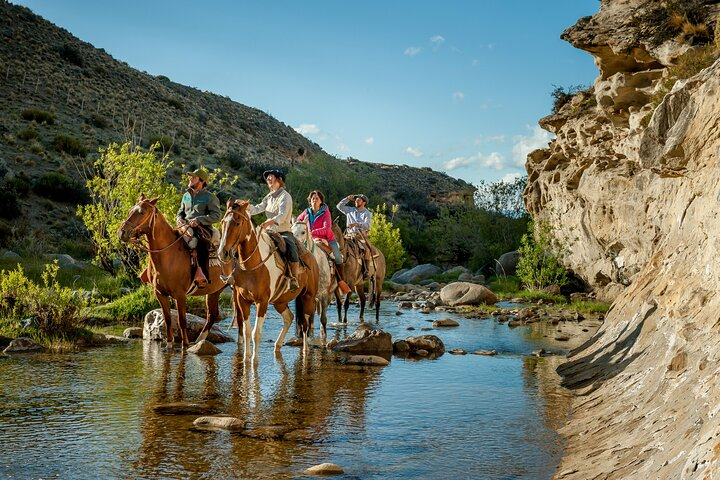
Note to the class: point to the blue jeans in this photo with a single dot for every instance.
(336, 251)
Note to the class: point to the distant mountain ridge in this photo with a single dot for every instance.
(94, 100)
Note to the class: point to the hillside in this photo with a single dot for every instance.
(62, 99)
(631, 186)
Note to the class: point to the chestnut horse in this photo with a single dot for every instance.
(170, 270)
(258, 279)
(327, 282)
(353, 276)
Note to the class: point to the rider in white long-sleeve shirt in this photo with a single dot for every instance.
(358, 220)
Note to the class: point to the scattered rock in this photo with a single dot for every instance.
(325, 469)
(445, 322)
(215, 423)
(457, 351)
(204, 347)
(465, 293)
(366, 340)
(133, 332)
(489, 353)
(23, 345)
(154, 328)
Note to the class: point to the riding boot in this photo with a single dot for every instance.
(339, 274)
(294, 272)
(200, 279)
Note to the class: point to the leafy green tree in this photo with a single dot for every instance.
(386, 237)
(118, 177)
(502, 198)
(329, 175)
(539, 266)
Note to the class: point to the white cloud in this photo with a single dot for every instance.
(414, 152)
(493, 160)
(343, 148)
(308, 129)
(490, 139)
(410, 51)
(370, 140)
(510, 177)
(524, 144)
(458, 96)
(437, 40)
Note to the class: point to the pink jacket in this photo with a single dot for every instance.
(321, 227)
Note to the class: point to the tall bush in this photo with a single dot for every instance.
(386, 237)
(118, 177)
(539, 266)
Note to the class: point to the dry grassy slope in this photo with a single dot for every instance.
(100, 100)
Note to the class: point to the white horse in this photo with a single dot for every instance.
(326, 281)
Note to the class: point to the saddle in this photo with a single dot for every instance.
(280, 253)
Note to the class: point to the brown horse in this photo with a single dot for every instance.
(353, 276)
(259, 280)
(170, 269)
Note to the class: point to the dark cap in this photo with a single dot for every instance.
(200, 173)
(276, 173)
(364, 198)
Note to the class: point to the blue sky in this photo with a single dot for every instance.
(455, 85)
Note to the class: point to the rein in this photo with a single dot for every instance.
(236, 246)
(135, 237)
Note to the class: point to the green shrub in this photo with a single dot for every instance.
(175, 103)
(71, 55)
(58, 187)
(506, 284)
(129, 308)
(165, 143)
(99, 121)
(55, 309)
(39, 116)
(20, 183)
(538, 266)
(9, 205)
(562, 95)
(386, 238)
(28, 134)
(70, 145)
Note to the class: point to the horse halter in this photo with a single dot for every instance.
(150, 219)
(234, 247)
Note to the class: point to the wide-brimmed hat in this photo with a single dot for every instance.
(276, 173)
(200, 173)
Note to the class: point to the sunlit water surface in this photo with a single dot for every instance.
(95, 414)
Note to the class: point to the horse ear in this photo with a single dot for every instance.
(154, 200)
(141, 198)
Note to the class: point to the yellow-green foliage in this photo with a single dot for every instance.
(55, 309)
(386, 237)
(688, 65)
(121, 174)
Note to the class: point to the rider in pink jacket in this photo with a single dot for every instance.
(318, 216)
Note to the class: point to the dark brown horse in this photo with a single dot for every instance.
(353, 276)
(170, 269)
(260, 281)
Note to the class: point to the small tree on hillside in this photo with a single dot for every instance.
(116, 180)
(386, 238)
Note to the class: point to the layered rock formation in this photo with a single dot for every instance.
(633, 191)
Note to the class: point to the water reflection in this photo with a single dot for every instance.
(128, 411)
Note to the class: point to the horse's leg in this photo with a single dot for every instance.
(361, 297)
(346, 305)
(212, 307)
(182, 320)
(287, 317)
(257, 329)
(308, 303)
(323, 319)
(338, 304)
(242, 314)
(164, 302)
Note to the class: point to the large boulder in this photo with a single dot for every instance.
(366, 340)
(507, 263)
(416, 274)
(429, 343)
(154, 328)
(465, 293)
(23, 345)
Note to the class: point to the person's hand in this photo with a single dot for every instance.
(267, 224)
(351, 197)
(180, 223)
(353, 225)
(193, 223)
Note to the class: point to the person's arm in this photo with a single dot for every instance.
(259, 208)
(344, 208)
(214, 213)
(301, 218)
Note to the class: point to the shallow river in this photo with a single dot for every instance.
(98, 413)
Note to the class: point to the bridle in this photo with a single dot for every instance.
(135, 239)
(230, 216)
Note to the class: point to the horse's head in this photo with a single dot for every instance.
(300, 231)
(236, 228)
(139, 219)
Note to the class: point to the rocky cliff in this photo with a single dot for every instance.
(631, 185)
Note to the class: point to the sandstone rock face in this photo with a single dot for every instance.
(637, 207)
